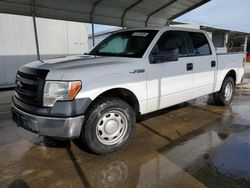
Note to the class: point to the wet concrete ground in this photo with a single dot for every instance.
(190, 145)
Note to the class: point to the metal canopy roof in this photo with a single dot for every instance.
(128, 13)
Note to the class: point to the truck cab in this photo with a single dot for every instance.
(98, 96)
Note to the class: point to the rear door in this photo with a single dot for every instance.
(204, 63)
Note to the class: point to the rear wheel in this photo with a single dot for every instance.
(109, 125)
(225, 96)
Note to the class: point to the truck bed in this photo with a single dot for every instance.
(229, 61)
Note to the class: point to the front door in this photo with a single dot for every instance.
(170, 82)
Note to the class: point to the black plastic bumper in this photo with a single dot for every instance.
(63, 109)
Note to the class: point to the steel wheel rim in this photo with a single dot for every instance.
(111, 127)
(228, 91)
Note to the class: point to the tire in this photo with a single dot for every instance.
(109, 125)
(225, 96)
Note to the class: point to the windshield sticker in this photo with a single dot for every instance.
(140, 34)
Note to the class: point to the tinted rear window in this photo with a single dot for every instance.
(200, 44)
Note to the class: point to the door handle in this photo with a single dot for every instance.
(190, 66)
(213, 63)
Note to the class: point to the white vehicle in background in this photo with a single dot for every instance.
(98, 96)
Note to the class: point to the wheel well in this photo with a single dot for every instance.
(232, 74)
(123, 94)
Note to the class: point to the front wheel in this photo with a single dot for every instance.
(108, 126)
(225, 96)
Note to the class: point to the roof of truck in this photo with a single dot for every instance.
(162, 29)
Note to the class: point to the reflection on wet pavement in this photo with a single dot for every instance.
(189, 145)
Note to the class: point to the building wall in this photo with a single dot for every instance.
(100, 36)
(56, 38)
(219, 39)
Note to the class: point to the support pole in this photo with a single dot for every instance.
(91, 20)
(245, 44)
(226, 37)
(93, 34)
(35, 30)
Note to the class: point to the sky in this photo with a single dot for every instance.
(225, 14)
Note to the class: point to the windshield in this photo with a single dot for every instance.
(125, 44)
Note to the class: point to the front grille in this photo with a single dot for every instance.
(29, 85)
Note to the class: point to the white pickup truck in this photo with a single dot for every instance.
(98, 96)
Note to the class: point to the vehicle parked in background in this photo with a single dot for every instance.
(248, 58)
(98, 96)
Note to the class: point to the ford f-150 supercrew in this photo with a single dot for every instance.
(97, 96)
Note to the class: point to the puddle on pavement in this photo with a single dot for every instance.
(220, 156)
(201, 145)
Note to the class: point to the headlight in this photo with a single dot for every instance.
(60, 91)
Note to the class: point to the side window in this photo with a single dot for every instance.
(200, 44)
(171, 40)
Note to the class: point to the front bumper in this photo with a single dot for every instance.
(67, 128)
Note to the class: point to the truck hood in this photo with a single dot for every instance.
(90, 67)
(76, 62)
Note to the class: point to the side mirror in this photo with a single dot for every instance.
(166, 56)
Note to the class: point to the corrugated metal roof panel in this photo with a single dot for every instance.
(128, 13)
